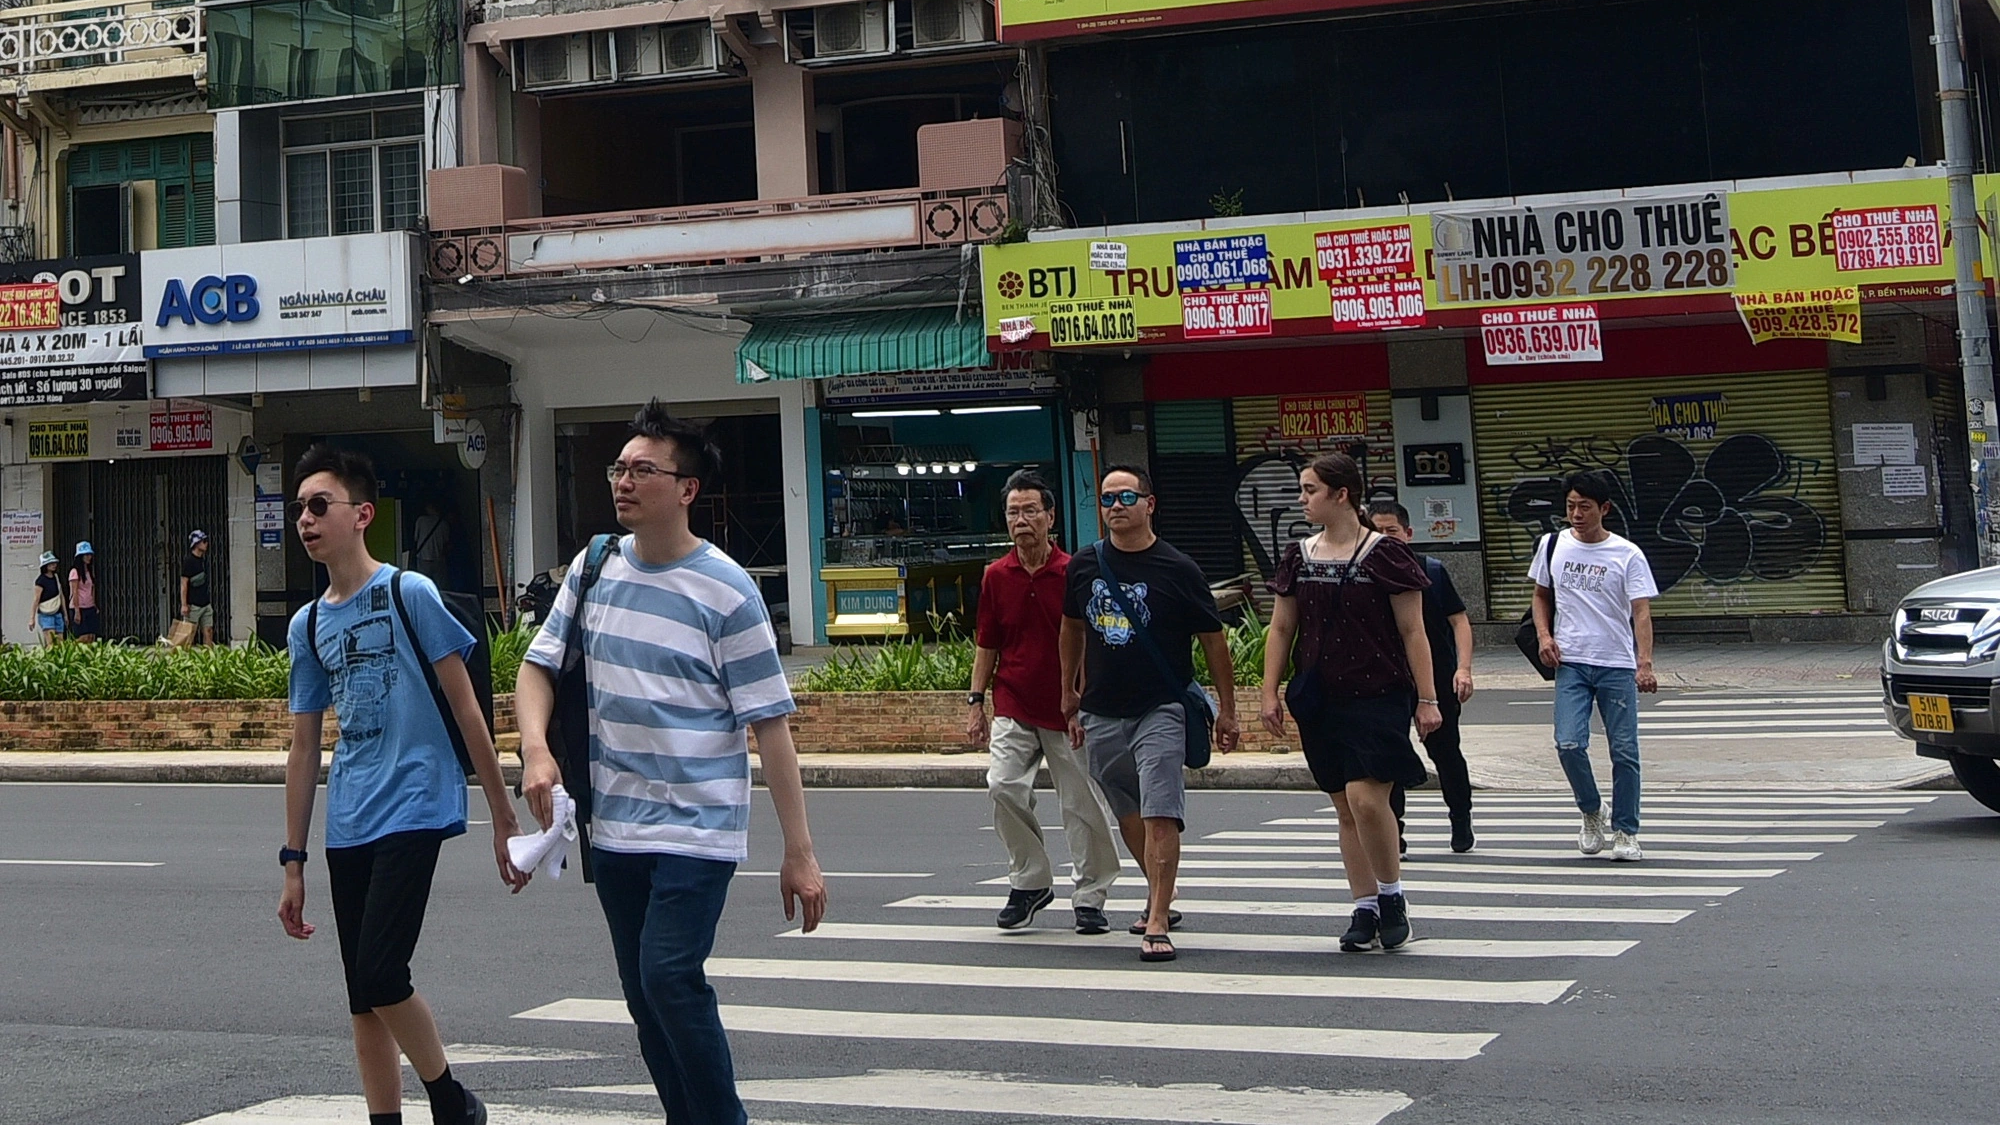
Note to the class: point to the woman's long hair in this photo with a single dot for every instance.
(1337, 471)
(87, 565)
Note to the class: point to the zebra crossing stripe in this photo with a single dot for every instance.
(1256, 1039)
(345, 1109)
(1422, 911)
(1773, 800)
(1526, 837)
(1522, 820)
(1485, 852)
(1140, 980)
(1426, 887)
(1213, 942)
(1478, 867)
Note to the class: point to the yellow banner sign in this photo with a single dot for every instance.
(1833, 313)
(1043, 19)
(62, 438)
(1777, 241)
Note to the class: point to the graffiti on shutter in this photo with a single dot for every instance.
(1746, 520)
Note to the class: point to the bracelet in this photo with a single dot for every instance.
(1432, 702)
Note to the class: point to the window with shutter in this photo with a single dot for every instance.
(201, 213)
(173, 216)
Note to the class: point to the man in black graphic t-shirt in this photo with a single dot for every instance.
(195, 597)
(1119, 705)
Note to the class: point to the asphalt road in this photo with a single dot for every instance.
(1778, 958)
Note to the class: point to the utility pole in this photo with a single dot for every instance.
(1975, 353)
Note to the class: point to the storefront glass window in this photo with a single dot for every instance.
(289, 50)
(353, 173)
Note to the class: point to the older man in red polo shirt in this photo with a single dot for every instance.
(1020, 619)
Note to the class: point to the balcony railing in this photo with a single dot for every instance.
(724, 232)
(48, 39)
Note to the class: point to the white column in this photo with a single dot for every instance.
(22, 488)
(799, 576)
(534, 488)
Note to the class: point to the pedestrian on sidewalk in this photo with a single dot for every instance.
(1121, 708)
(1018, 654)
(195, 607)
(1349, 623)
(396, 792)
(84, 620)
(1594, 620)
(1448, 628)
(432, 538)
(681, 659)
(51, 605)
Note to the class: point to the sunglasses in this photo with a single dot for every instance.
(1126, 497)
(318, 506)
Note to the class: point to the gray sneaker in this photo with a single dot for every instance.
(1590, 841)
(1625, 846)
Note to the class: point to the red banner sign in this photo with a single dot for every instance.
(1887, 238)
(30, 305)
(1368, 252)
(1364, 306)
(174, 430)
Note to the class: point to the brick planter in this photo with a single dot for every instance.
(826, 722)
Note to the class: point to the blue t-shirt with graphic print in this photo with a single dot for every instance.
(393, 769)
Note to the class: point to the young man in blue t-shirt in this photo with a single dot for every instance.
(396, 792)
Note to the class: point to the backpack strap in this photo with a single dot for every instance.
(602, 547)
(451, 727)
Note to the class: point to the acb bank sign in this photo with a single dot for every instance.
(352, 291)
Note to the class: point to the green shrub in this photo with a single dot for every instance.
(509, 647)
(110, 671)
(1246, 655)
(946, 665)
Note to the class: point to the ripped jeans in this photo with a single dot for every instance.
(1615, 691)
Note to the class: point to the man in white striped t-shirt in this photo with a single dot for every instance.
(681, 661)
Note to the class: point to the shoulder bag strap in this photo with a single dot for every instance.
(1139, 629)
(601, 547)
(451, 727)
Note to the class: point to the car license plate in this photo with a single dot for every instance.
(1930, 712)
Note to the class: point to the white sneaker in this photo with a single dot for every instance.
(1590, 841)
(1625, 846)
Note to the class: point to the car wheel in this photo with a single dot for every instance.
(1980, 777)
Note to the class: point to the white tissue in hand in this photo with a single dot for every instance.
(545, 851)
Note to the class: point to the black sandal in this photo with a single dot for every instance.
(1149, 948)
(1139, 927)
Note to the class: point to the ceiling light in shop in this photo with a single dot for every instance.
(902, 468)
(953, 467)
(922, 469)
(992, 409)
(971, 465)
(895, 414)
(937, 467)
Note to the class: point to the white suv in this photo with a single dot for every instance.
(1939, 671)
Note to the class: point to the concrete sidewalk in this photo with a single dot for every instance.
(1512, 757)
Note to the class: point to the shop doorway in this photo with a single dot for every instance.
(418, 479)
(743, 513)
(137, 513)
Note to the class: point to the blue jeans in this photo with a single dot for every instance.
(662, 910)
(1616, 693)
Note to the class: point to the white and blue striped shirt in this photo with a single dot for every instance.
(681, 660)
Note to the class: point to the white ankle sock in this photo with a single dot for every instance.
(1394, 888)
(1368, 903)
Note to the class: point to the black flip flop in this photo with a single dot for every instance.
(1148, 950)
(1139, 927)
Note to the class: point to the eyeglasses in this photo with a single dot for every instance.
(1024, 513)
(318, 505)
(1123, 496)
(641, 471)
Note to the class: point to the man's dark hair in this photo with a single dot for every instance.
(1027, 480)
(1145, 478)
(1591, 484)
(353, 470)
(1389, 508)
(694, 454)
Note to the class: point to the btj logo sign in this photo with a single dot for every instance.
(211, 300)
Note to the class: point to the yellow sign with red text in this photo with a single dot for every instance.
(1802, 314)
(1886, 240)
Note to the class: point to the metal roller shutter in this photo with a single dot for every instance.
(1745, 522)
(137, 514)
(1267, 467)
(1960, 544)
(1194, 475)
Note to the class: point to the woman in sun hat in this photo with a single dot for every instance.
(83, 614)
(49, 600)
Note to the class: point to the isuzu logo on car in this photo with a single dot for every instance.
(1937, 615)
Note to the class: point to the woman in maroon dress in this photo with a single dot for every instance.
(1350, 624)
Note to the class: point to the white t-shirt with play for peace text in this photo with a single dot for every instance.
(1595, 585)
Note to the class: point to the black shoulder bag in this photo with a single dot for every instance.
(569, 722)
(1195, 703)
(1526, 638)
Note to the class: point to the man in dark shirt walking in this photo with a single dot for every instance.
(1017, 654)
(196, 603)
(1120, 705)
(1449, 629)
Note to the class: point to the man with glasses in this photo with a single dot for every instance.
(1121, 706)
(681, 660)
(1018, 656)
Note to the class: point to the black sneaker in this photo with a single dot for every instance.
(1022, 906)
(1361, 931)
(475, 1110)
(1091, 920)
(1395, 920)
(1461, 832)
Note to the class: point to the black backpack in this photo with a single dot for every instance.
(467, 610)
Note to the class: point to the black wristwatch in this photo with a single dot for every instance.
(975, 699)
(291, 855)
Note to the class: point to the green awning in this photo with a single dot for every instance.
(873, 343)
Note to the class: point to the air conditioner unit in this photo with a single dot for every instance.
(639, 51)
(556, 60)
(689, 48)
(950, 23)
(851, 29)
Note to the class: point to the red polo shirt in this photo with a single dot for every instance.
(1020, 616)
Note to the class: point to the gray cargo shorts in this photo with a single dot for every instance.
(1138, 761)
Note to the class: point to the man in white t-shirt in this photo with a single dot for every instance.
(1594, 615)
